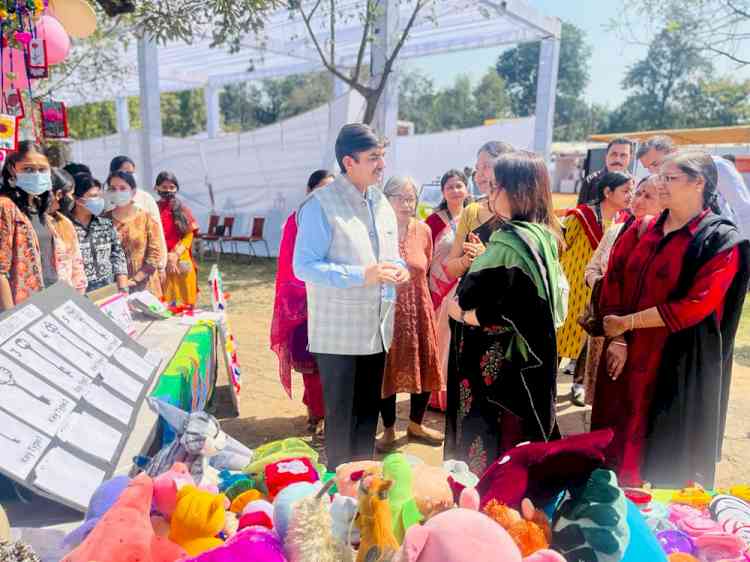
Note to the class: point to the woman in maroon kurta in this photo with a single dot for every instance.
(412, 364)
(643, 306)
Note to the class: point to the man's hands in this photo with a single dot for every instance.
(385, 273)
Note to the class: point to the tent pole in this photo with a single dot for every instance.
(148, 82)
(546, 85)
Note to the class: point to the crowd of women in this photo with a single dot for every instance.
(649, 280)
(63, 225)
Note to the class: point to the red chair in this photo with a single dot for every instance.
(256, 235)
(210, 237)
(226, 233)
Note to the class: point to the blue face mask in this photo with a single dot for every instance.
(34, 183)
(95, 205)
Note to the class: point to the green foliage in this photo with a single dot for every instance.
(246, 106)
(183, 113)
(674, 87)
(456, 107)
(518, 67)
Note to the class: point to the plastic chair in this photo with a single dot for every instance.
(210, 237)
(226, 234)
(256, 235)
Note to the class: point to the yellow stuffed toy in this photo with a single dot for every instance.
(377, 541)
(197, 520)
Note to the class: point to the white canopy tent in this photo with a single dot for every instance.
(284, 48)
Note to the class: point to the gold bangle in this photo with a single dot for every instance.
(632, 322)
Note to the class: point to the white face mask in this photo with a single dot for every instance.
(119, 198)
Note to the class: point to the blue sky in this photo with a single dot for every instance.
(610, 59)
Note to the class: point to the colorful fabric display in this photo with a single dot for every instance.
(733, 514)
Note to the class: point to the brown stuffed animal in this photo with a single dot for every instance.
(378, 543)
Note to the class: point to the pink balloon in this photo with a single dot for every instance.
(19, 68)
(58, 42)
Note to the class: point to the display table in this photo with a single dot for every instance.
(164, 337)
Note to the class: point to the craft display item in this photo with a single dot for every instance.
(280, 450)
(13, 102)
(343, 511)
(432, 490)
(257, 513)
(38, 66)
(377, 542)
(103, 499)
(240, 501)
(283, 504)
(695, 496)
(8, 132)
(404, 510)
(166, 487)
(349, 474)
(197, 520)
(254, 545)
(531, 532)
(733, 514)
(125, 532)
(54, 119)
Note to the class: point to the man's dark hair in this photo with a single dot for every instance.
(495, 148)
(353, 139)
(731, 157)
(660, 143)
(620, 140)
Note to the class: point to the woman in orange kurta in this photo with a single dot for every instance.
(139, 234)
(412, 365)
(181, 284)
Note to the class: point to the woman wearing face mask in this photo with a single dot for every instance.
(24, 197)
(181, 284)
(68, 262)
(144, 201)
(103, 257)
(139, 234)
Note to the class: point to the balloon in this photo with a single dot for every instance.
(19, 68)
(58, 42)
(76, 16)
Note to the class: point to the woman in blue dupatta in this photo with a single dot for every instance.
(510, 303)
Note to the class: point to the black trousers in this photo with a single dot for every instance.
(351, 392)
(417, 408)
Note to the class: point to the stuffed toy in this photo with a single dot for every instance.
(228, 479)
(310, 538)
(540, 471)
(239, 488)
(17, 551)
(275, 451)
(125, 534)
(643, 544)
(104, 498)
(531, 531)
(199, 437)
(283, 504)
(459, 477)
(278, 475)
(377, 541)
(166, 486)
(349, 474)
(432, 490)
(343, 511)
(695, 496)
(256, 544)
(198, 519)
(591, 523)
(257, 513)
(239, 502)
(404, 511)
(464, 535)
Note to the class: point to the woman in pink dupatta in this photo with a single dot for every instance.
(442, 223)
(289, 323)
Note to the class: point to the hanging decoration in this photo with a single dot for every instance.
(54, 119)
(13, 102)
(38, 67)
(8, 133)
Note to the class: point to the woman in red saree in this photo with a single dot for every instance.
(443, 222)
(289, 322)
(671, 301)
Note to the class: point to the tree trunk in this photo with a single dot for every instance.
(371, 105)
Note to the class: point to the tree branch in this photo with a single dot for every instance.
(402, 40)
(738, 11)
(363, 43)
(330, 66)
(333, 32)
(726, 54)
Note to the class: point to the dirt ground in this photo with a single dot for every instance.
(267, 413)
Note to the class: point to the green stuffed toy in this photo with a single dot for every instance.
(275, 451)
(591, 523)
(404, 510)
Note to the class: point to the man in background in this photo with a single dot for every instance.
(617, 159)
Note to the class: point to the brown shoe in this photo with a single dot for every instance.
(426, 436)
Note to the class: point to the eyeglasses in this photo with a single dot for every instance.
(671, 179)
(404, 200)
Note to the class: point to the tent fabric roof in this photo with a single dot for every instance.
(712, 135)
(284, 48)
